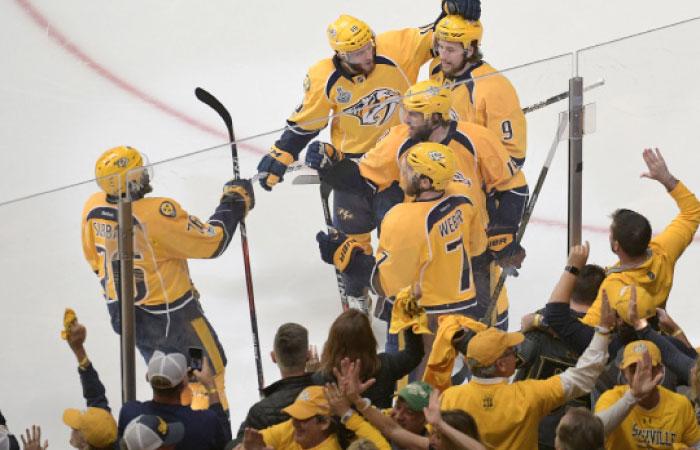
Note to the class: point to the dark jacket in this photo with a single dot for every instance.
(394, 366)
(204, 429)
(279, 395)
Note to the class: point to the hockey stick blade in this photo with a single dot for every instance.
(208, 99)
(307, 179)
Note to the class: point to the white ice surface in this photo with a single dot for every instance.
(79, 77)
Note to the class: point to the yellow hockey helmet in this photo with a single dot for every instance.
(428, 97)
(113, 168)
(348, 34)
(433, 160)
(458, 29)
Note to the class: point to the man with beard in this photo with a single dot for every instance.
(429, 241)
(481, 164)
(648, 263)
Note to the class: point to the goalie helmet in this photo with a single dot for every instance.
(115, 168)
(458, 29)
(433, 160)
(428, 97)
(348, 34)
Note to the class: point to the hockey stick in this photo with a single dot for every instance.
(325, 193)
(216, 105)
(314, 179)
(559, 97)
(488, 317)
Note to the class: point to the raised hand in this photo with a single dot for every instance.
(578, 255)
(33, 441)
(607, 314)
(657, 169)
(253, 440)
(643, 383)
(338, 403)
(349, 379)
(432, 412)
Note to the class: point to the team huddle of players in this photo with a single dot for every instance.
(434, 166)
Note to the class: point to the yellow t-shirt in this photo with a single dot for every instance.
(671, 422)
(655, 275)
(432, 243)
(328, 88)
(507, 415)
(281, 436)
(487, 98)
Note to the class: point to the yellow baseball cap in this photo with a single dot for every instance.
(96, 424)
(645, 303)
(309, 403)
(634, 351)
(489, 345)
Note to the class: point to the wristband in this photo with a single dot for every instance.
(536, 322)
(572, 270)
(212, 391)
(678, 332)
(602, 330)
(348, 414)
(84, 363)
(366, 403)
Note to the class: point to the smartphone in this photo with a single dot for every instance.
(195, 358)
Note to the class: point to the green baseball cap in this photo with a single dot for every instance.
(416, 395)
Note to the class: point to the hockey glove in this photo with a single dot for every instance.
(508, 253)
(337, 249)
(470, 9)
(321, 156)
(239, 191)
(274, 165)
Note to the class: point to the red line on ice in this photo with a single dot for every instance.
(103, 72)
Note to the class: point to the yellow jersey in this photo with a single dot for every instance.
(364, 106)
(482, 162)
(486, 97)
(655, 274)
(671, 422)
(165, 236)
(507, 415)
(281, 436)
(432, 243)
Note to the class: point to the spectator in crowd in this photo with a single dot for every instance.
(94, 427)
(8, 441)
(643, 414)
(544, 354)
(351, 336)
(314, 424)
(580, 429)
(508, 414)
(408, 408)
(453, 429)
(291, 353)
(679, 359)
(148, 432)
(645, 261)
(167, 374)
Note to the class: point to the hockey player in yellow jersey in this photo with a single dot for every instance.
(481, 161)
(648, 263)
(482, 95)
(508, 414)
(168, 314)
(360, 86)
(429, 241)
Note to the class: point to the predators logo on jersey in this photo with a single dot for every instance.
(376, 108)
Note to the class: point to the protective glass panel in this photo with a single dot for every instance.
(650, 99)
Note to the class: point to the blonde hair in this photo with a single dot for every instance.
(362, 444)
